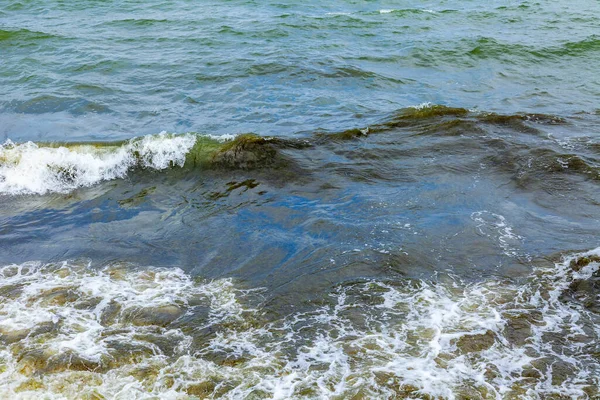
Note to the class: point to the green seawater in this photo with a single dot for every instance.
(94, 70)
(299, 200)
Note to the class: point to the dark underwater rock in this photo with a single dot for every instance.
(472, 343)
(247, 152)
(585, 291)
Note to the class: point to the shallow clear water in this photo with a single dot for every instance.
(414, 216)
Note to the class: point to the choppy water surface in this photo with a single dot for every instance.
(92, 69)
(299, 200)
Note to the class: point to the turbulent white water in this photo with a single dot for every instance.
(29, 168)
(70, 331)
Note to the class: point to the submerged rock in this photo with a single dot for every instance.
(30, 384)
(59, 296)
(578, 263)
(247, 152)
(33, 361)
(71, 361)
(202, 389)
(585, 291)
(159, 316)
(518, 329)
(560, 370)
(8, 336)
(110, 313)
(472, 343)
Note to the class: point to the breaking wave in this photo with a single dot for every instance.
(40, 168)
(31, 168)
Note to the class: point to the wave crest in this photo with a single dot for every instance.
(31, 168)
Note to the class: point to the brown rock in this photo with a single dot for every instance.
(471, 343)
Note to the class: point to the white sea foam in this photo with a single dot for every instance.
(155, 333)
(421, 106)
(30, 168)
(497, 228)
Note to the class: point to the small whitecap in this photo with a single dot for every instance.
(31, 168)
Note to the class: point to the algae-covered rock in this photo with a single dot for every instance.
(138, 198)
(561, 370)
(231, 186)
(246, 152)
(110, 313)
(12, 291)
(418, 115)
(585, 291)
(125, 353)
(580, 262)
(9, 336)
(472, 343)
(159, 316)
(80, 382)
(29, 384)
(432, 111)
(201, 389)
(70, 361)
(92, 396)
(59, 296)
(517, 330)
(350, 134)
(33, 361)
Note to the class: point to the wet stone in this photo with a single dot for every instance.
(12, 291)
(246, 152)
(491, 372)
(165, 344)
(361, 394)
(473, 343)
(202, 389)
(517, 392)
(227, 360)
(59, 296)
(122, 353)
(80, 382)
(581, 262)
(110, 313)
(63, 272)
(159, 316)
(30, 384)
(558, 340)
(32, 361)
(92, 396)
(401, 390)
(531, 372)
(561, 370)
(586, 292)
(117, 273)
(72, 362)
(145, 373)
(10, 271)
(592, 391)
(11, 336)
(517, 330)
(468, 393)
(385, 378)
(44, 327)
(87, 304)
